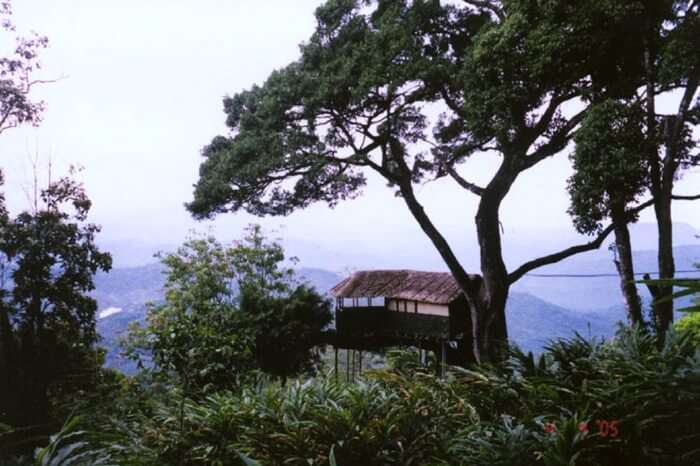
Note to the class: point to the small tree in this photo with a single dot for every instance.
(196, 332)
(610, 173)
(228, 311)
(288, 317)
(48, 258)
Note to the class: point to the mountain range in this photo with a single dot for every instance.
(541, 306)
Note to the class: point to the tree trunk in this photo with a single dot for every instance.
(491, 332)
(486, 295)
(663, 312)
(471, 285)
(8, 373)
(625, 267)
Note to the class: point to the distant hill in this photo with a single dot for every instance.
(533, 322)
(593, 293)
(123, 293)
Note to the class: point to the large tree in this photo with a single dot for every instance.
(671, 63)
(610, 174)
(511, 80)
(662, 58)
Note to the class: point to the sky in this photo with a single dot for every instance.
(139, 95)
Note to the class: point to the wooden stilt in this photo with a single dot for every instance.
(420, 353)
(336, 362)
(443, 365)
(347, 365)
(354, 365)
(360, 372)
(437, 359)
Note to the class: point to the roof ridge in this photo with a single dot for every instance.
(416, 285)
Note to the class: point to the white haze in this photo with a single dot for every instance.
(142, 94)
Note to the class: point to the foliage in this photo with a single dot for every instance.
(197, 333)
(228, 311)
(16, 76)
(687, 287)
(48, 258)
(361, 92)
(582, 402)
(609, 166)
(412, 89)
(288, 330)
(691, 325)
(610, 174)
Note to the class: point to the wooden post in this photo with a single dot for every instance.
(347, 366)
(354, 365)
(336, 363)
(443, 365)
(360, 373)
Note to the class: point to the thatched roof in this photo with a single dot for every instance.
(427, 287)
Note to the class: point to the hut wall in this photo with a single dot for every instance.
(402, 305)
(433, 309)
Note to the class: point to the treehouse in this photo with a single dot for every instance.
(380, 308)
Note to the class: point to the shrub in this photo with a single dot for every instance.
(582, 402)
(690, 324)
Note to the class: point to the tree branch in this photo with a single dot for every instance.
(544, 121)
(686, 198)
(487, 5)
(680, 120)
(595, 244)
(451, 103)
(471, 187)
(555, 144)
(573, 250)
(464, 280)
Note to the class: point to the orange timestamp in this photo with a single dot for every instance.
(606, 428)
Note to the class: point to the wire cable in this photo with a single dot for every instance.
(596, 275)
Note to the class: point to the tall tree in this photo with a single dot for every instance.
(659, 59)
(503, 76)
(610, 174)
(671, 59)
(47, 319)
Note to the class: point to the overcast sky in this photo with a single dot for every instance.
(142, 94)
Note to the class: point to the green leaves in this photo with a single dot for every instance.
(688, 287)
(610, 169)
(358, 87)
(48, 258)
(229, 311)
(585, 402)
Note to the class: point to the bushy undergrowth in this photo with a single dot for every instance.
(624, 402)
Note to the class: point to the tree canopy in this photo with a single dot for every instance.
(229, 311)
(412, 89)
(17, 76)
(48, 258)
